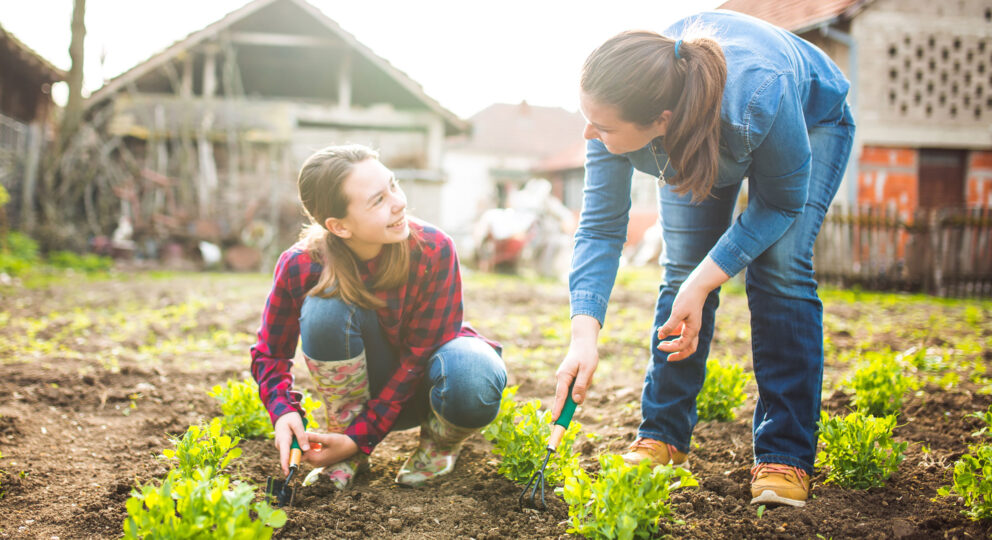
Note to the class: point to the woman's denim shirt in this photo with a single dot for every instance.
(778, 86)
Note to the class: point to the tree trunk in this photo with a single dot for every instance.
(74, 106)
(52, 232)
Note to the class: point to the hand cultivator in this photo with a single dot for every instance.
(557, 432)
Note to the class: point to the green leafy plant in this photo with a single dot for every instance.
(520, 436)
(858, 449)
(242, 409)
(623, 501)
(88, 263)
(879, 384)
(973, 482)
(244, 413)
(203, 446)
(984, 417)
(205, 505)
(18, 253)
(722, 392)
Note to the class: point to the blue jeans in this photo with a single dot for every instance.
(786, 315)
(464, 380)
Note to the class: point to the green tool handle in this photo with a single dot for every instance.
(564, 419)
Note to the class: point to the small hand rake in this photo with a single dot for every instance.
(557, 432)
(279, 491)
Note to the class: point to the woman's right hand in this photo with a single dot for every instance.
(286, 427)
(579, 364)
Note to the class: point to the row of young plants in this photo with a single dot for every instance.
(858, 449)
(198, 497)
(621, 501)
(972, 480)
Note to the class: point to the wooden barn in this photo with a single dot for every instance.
(208, 135)
(25, 111)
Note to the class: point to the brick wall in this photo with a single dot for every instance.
(889, 176)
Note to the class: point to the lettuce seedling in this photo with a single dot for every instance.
(204, 505)
(623, 501)
(973, 482)
(520, 436)
(879, 384)
(242, 409)
(244, 413)
(722, 392)
(985, 417)
(858, 450)
(203, 446)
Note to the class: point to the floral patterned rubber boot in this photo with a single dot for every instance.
(440, 443)
(344, 388)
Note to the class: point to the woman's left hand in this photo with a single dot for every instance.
(686, 318)
(334, 448)
(685, 321)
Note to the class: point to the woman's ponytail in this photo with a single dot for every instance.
(692, 137)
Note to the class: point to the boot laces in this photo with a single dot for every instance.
(771, 468)
(652, 446)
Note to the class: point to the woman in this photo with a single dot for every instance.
(374, 297)
(719, 97)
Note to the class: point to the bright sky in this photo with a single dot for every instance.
(529, 49)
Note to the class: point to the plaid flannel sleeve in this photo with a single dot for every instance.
(272, 355)
(435, 319)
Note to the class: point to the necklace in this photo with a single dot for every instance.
(661, 170)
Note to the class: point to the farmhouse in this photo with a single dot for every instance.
(210, 133)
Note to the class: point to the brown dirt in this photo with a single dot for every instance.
(71, 454)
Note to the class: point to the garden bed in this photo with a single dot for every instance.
(97, 373)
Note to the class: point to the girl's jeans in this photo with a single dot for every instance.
(786, 316)
(464, 379)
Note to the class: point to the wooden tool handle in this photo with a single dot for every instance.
(295, 453)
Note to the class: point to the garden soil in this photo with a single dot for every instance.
(77, 432)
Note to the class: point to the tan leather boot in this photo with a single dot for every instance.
(774, 483)
(657, 452)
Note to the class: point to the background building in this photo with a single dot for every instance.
(921, 90)
(209, 135)
(497, 156)
(25, 109)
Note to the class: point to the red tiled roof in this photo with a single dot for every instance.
(794, 15)
(572, 157)
(520, 129)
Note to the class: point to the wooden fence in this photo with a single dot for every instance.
(946, 252)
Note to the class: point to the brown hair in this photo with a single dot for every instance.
(638, 72)
(321, 185)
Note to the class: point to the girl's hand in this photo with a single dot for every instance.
(685, 321)
(288, 426)
(333, 448)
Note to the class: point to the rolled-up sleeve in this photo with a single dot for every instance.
(602, 231)
(778, 180)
